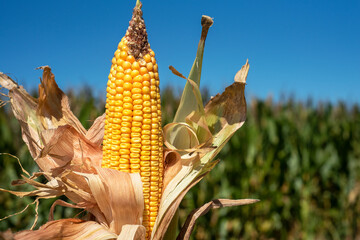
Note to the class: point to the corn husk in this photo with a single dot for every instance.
(69, 157)
(218, 203)
(68, 229)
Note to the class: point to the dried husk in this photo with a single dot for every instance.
(68, 229)
(132, 232)
(69, 156)
(196, 213)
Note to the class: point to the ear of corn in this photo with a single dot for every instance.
(133, 139)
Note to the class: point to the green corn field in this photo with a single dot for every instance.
(301, 159)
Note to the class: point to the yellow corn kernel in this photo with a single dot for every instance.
(133, 136)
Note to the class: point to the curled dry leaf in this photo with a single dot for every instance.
(122, 192)
(172, 164)
(53, 105)
(229, 108)
(217, 203)
(69, 157)
(135, 232)
(49, 190)
(96, 132)
(68, 229)
(241, 75)
(172, 205)
(47, 122)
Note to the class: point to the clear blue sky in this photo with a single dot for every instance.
(306, 48)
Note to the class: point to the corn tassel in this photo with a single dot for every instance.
(133, 139)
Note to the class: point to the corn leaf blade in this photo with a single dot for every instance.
(188, 101)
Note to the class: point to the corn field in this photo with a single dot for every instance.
(301, 159)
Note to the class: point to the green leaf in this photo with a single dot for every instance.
(195, 131)
(189, 102)
(226, 113)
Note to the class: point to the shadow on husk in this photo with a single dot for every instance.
(69, 157)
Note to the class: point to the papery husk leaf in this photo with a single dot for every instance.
(132, 232)
(168, 207)
(67, 229)
(77, 188)
(7, 82)
(99, 193)
(127, 205)
(241, 75)
(56, 139)
(96, 132)
(172, 165)
(53, 105)
(42, 120)
(196, 213)
(173, 194)
(64, 147)
(36, 115)
(118, 195)
(229, 108)
(59, 144)
(70, 157)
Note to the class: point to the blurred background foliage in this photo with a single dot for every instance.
(302, 159)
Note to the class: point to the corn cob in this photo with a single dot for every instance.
(133, 139)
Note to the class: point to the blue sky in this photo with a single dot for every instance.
(301, 48)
